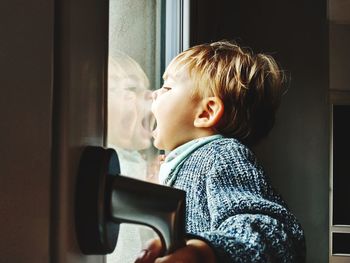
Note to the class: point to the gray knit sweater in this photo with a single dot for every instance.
(231, 205)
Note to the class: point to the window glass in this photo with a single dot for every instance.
(133, 72)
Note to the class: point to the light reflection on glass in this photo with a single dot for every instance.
(130, 121)
(134, 49)
(130, 124)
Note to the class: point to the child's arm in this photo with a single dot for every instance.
(245, 220)
(195, 251)
(249, 222)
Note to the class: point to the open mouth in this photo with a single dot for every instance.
(154, 125)
(149, 122)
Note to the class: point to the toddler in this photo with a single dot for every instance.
(217, 100)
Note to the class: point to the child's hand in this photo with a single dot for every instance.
(195, 251)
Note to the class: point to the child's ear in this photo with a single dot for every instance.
(209, 112)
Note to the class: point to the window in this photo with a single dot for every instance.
(143, 37)
(339, 40)
(340, 180)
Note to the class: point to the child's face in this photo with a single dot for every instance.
(128, 114)
(174, 110)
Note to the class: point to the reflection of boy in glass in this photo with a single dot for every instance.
(129, 133)
(128, 104)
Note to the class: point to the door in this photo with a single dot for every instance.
(79, 112)
(54, 72)
(26, 65)
(53, 64)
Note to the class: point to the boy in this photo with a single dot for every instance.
(216, 100)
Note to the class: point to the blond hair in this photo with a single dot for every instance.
(250, 86)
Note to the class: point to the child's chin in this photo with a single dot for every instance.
(159, 147)
(157, 144)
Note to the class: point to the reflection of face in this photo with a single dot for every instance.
(129, 113)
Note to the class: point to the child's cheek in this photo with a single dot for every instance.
(156, 106)
(153, 106)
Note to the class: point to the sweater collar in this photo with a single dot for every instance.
(173, 161)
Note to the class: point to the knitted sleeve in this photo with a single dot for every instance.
(249, 223)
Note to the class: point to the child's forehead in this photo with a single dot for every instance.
(176, 71)
(175, 77)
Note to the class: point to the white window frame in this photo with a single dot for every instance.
(177, 28)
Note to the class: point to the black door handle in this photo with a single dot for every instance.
(104, 199)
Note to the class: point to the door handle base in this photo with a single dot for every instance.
(105, 199)
(96, 234)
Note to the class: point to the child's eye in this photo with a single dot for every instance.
(166, 88)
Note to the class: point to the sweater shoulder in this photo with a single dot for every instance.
(224, 144)
(222, 154)
(226, 148)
